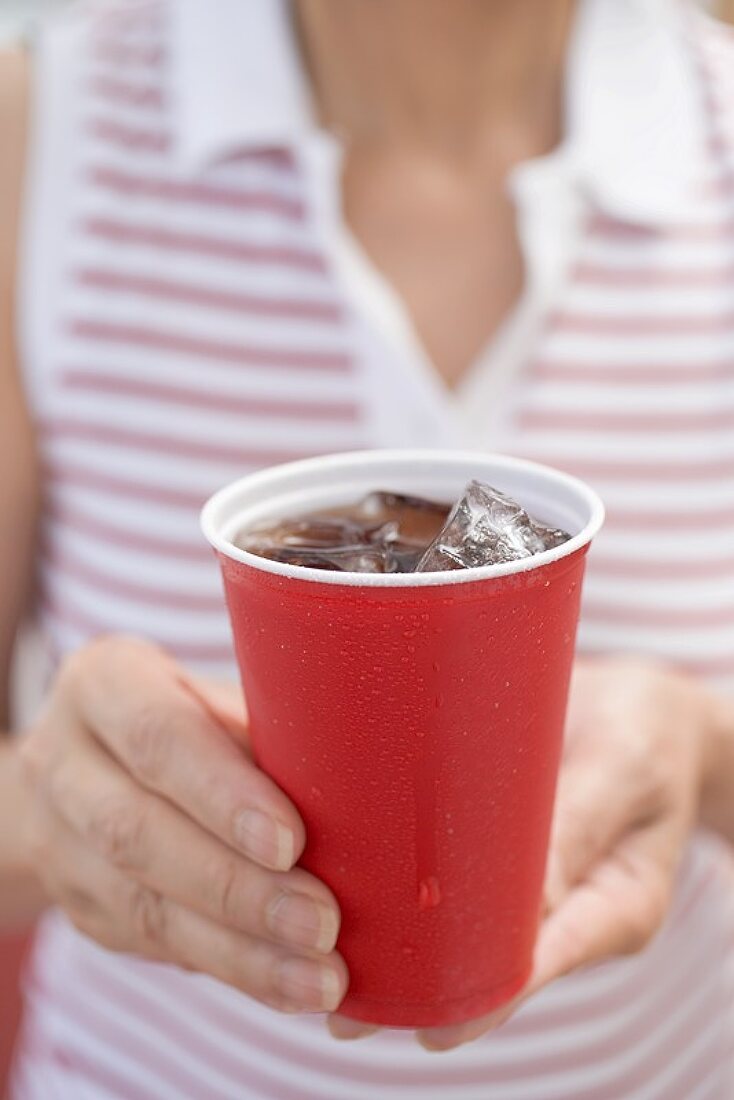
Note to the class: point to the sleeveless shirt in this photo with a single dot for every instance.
(185, 317)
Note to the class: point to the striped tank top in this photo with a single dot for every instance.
(181, 326)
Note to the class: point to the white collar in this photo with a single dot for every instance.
(635, 127)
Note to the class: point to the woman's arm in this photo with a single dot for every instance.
(717, 795)
(20, 894)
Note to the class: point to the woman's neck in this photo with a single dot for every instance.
(444, 74)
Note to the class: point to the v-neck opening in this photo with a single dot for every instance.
(479, 402)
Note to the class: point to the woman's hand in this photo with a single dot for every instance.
(630, 782)
(151, 827)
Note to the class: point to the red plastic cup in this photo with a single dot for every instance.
(416, 722)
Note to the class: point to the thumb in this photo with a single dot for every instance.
(592, 812)
(223, 701)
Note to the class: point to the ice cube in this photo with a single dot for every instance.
(487, 527)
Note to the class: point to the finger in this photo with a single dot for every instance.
(224, 701)
(125, 916)
(263, 970)
(587, 821)
(144, 836)
(342, 1027)
(131, 696)
(616, 911)
(447, 1038)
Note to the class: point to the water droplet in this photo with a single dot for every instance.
(316, 792)
(429, 893)
(408, 952)
(438, 702)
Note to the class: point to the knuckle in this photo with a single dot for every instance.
(83, 921)
(224, 879)
(637, 935)
(643, 924)
(147, 744)
(72, 670)
(34, 755)
(103, 652)
(117, 829)
(77, 904)
(38, 843)
(147, 915)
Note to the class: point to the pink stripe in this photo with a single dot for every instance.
(127, 56)
(711, 666)
(627, 422)
(637, 471)
(133, 16)
(240, 354)
(109, 435)
(659, 521)
(646, 616)
(609, 566)
(68, 473)
(123, 385)
(241, 1071)
(335, 1069)
(76, 519)
(708, 666)
(206, 194)
(198, 244)
(630, 324)
(170, 290)
(654, 277)
(608, 228)
(141, 1052)
(67, 615)
(106, 583)
(630, 374)
(130, 138)
(131, 95)
(58, 1063)
(707, 1066)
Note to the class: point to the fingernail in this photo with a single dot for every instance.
(435, 1046)
(265, 840)
(302, 921)
(349, 1030)
(309, 984)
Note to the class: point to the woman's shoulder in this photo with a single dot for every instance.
(714, 55)
(14, 104)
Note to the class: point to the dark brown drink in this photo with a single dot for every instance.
(382, 533)
(392, 533)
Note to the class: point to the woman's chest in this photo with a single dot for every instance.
(201, 330)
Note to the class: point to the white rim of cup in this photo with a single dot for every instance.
(335, 463)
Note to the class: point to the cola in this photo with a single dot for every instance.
(381, 533)
(387, 532)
